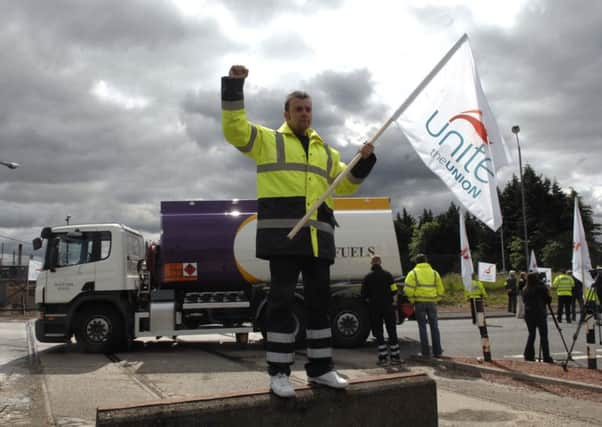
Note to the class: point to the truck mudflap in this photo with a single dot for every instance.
(52, 329)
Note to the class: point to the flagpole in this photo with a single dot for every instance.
(394, 117)
(576, 211)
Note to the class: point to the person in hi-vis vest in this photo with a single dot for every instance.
(424, 288)
(294, 168)
(564, 284)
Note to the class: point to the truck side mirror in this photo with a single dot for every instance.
(36, 243)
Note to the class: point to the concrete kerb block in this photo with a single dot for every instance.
(383, 400)
(476, 370)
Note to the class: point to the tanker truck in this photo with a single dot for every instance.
(106, 285)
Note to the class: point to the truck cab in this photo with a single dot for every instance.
(86, 282)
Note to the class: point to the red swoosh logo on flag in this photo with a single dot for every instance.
(576, 245)
(464, 253)
(477, 124)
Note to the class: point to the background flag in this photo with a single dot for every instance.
(450, 125)
(532, 262)
(581, 263)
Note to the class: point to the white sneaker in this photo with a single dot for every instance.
(281, 386)
(330, 379)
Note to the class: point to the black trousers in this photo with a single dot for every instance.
(537, 322)
(564, 304)
(378, 315)
(576, 299)
(512, 303)
(280, 323)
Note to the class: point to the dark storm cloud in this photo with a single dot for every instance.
(113, 23)
(91, 158)
(98, 161)
(349, 92)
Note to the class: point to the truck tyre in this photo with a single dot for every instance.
(99, 329)
(350, 324)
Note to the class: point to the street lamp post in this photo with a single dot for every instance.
(10, 165)
(502, 243)
(515, 131)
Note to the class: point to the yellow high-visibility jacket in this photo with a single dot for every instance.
(477, 291)
(423, 284)
(564, 284)
(289, 180)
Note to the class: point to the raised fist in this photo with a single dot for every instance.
(238, 72)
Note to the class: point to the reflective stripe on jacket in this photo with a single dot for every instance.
(423, 284)
(289, 180)
(564, 284)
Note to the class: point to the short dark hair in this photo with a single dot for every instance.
(299, 94)
(420, 258)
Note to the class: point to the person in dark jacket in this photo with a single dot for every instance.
(511, 290)
(537, 297)
(577, 298)
(380, 290)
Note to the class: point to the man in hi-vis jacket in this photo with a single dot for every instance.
(294, 168)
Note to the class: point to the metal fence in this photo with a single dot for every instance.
(17, 293)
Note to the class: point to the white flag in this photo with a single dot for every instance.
(487, 272)
(581, 264)
(532, 262)
(465, 257)
(451, 127)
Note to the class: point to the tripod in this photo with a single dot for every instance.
(558, 329)
(589, 311)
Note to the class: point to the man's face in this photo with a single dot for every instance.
(298, 115)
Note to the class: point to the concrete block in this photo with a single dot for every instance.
(383, 400)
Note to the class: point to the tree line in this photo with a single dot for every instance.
(549, 212)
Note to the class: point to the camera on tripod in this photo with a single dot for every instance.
(596, 273)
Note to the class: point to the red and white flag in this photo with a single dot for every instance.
(465, 258)
(450, 125)
(533, 262)
(581, 263)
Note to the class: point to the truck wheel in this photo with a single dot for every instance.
(350, 324)
(99, 330)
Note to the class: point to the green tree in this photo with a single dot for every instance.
(549, 213)
(404, 228)
(517, 254)
(556, 255)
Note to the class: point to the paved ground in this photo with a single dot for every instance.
(55, 385)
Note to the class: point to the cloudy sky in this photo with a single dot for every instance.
(111, 106)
